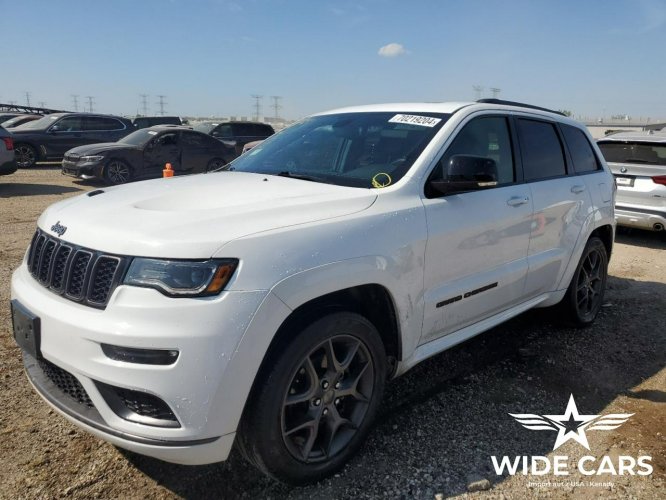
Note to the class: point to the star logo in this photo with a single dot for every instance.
(571, 425)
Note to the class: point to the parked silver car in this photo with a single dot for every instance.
(638, 162)
(7, 160)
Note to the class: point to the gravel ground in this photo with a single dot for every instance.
(439, 424)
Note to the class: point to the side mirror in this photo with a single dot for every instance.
(467, 173)
(54, 129)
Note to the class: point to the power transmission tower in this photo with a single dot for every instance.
(42, 104)
(144, 103)
(477, 89)
(161, 104)
(257, 106)
(75, 101)
(276, 105)
(90, 103)
(27, 98)
(495, 91)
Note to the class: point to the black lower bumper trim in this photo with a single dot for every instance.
(90, 416)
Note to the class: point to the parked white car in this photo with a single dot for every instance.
(638, 161)
(267, 304)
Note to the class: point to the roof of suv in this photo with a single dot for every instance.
(643, 136)
(449, 107)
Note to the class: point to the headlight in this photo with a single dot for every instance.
(181, 278)
(91, 158)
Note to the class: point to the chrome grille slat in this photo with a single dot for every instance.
(78, 274)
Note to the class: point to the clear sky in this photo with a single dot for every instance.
(208, 57)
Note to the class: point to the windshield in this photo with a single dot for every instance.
(351, 149)
(634, 152)
(205, 127)
(138, 138)
(40, 124)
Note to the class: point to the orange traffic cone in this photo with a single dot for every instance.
(168, 171)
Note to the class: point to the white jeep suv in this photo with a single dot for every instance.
(268, 303)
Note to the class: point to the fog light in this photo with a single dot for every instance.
(140, 356)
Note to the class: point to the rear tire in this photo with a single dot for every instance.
(117, 172)
(585, 294)
(26, 155)
(313, 405)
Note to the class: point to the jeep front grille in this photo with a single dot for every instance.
(79, 274)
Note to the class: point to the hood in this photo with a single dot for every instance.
(90, 149)
(194, 216)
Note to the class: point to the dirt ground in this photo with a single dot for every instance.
(439, 424)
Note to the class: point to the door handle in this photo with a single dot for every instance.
(516, 201)
(577, 189)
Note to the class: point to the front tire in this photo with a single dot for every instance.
(312, 409)
(26, 155)
(214, 164)
(117, 172)
(585, 294)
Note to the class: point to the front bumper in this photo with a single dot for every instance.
(206, 332)
(81, 170)
(652, 218)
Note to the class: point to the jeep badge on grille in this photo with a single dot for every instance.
(58, 228)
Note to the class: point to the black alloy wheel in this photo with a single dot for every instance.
(117, 172)
(26, 155)
(314, 399)
(327, 399)
(585, 294)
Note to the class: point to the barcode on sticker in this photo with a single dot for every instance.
(423, 121)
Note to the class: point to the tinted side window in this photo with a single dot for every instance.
(101, 123)
(487, 137)
(541, 150)
(582, 154)
(261, 130)
(223, 131)
(243, 129)
(68, 124)
(193, 140)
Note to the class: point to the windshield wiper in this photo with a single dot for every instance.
(303, 177)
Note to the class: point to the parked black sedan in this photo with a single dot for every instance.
(144, 153)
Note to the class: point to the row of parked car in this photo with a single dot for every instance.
(117, 150)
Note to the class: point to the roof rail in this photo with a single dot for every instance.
(520, 104)
(29, 109)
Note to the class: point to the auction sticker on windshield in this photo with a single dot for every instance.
(424, 121)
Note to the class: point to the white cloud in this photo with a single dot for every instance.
(392, 50)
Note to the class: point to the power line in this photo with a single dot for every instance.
(161, 104)
(144, 103)
(75, 101)
(276, 105)
(90, 103)
(257, 105)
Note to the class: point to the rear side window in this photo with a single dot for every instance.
(541, 150)
(101, 123)
(243, 129)
(262, 130)
(633, 152)
(582, 154)
(193, 140)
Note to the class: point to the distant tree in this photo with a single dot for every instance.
(565, 112)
